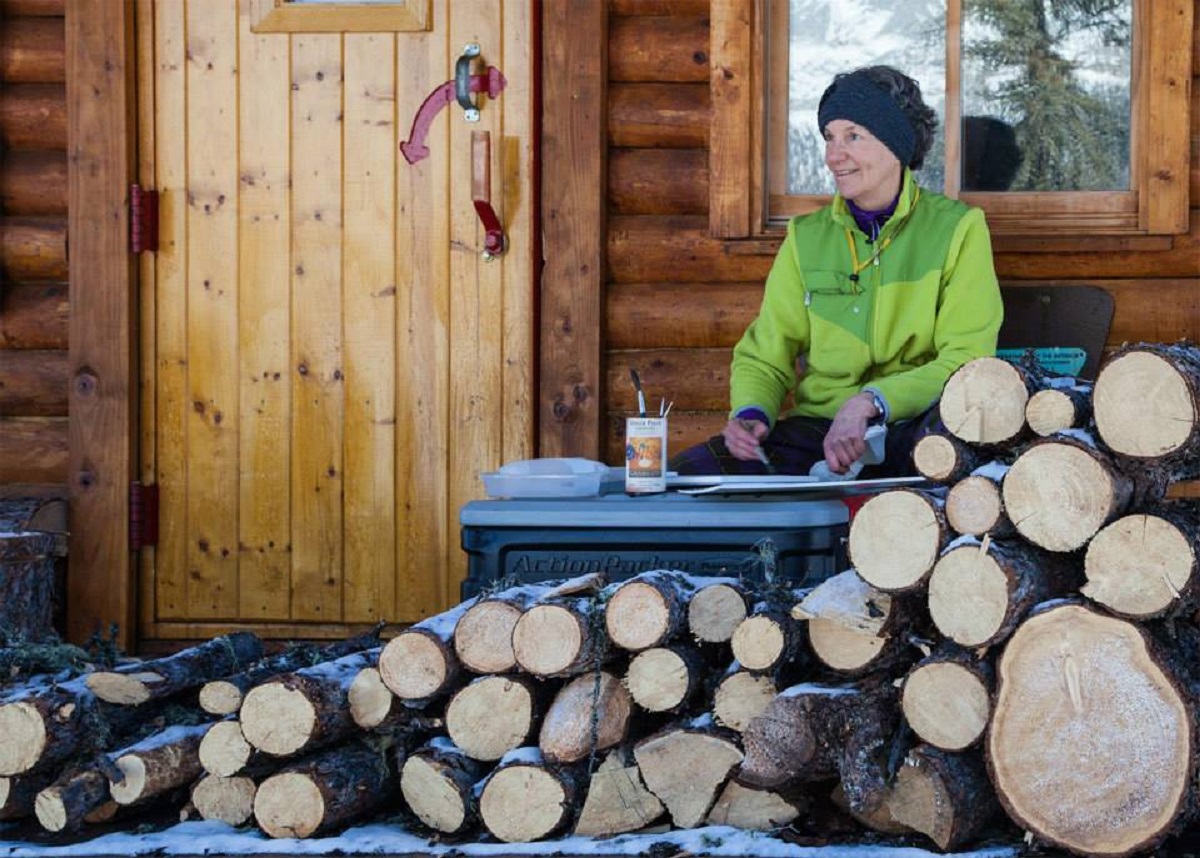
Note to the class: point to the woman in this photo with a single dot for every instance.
(872, 302)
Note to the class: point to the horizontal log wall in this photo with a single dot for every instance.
(33, 242)
(677, 300)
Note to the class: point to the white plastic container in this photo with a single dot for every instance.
(546, 478)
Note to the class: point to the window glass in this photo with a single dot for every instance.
(1046, 95)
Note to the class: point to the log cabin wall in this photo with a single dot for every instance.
(33, 242)
(676, 300)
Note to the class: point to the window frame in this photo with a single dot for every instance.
(1156, 205)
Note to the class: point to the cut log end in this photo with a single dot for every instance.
(740, 698)
(1139, 565)
(51, 810)
(433, 794)
(1159, 424)
(759, 642)
(895, 539)
(220, 697)
(1058, 495)
(126, 689)
(24, 734)
(637, 616)
(946, 704)
(1050, 411)
(490, 717)
(370, 700)
(984, 401)
(414, 666)
(277, 720)
(974, 506)
(686, 770)
(1076, 696)
(968, 596)
(715, 612)
(289, 805)
(228, 800)
(752, 809)
(844, 649)
(483, 637)
(131, 788)
(547, 640)
(523, 803)
(589, 708)
(224, 750)
(659, 679)
(617, 801)
(935, 457)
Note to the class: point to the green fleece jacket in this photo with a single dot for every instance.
(928, 303)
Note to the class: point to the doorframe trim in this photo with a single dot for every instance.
(101, 133)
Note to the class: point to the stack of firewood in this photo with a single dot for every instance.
(1016, 646)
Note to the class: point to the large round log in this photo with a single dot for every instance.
(686, 767)
(492, 716)
(229, 800)
(979, 592)
(1071, 749)
(33, 116)
(158, 764)
(34, 248)
(438, 783)
(975, 504)
(896, 537)
(1162, 429)
(335, 787)
(660, 49)
(189, 668)
(419, 663)
(648, 610)
(590, 713)
(525, 799)
(35, 316)
(33, 183)
(617, 801)
(1145, 565)
(716, 610)
(947, 700)
(1062, 490)
(33, 50)
(662, 115)
(983, 402)
(560, 639)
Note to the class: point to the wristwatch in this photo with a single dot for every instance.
(880, 406)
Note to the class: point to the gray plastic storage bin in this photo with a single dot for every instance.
(620, 536)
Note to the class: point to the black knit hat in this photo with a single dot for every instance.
(858, 99)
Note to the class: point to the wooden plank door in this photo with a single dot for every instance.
(328, 361)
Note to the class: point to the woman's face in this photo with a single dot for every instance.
(864, 170)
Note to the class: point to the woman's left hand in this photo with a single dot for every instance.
(844, 444)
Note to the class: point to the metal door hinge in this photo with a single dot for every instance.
(143, 219)
(143, 515)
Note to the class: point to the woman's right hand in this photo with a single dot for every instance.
(743, 437)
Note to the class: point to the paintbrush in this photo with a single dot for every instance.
(762, 457)
(637, 385)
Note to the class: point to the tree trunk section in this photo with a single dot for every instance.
(1162, 429)
(1068, 748)
(1144, 565)
(438, 783)
(665, 679)
(1056, 409)
(333, 788)
(716, 610)
(371, 702)
(649, 610)
(617, 800)
(686, 769)
(754, 809)
(979, 592)
(525, 799)
(560, 639)
(419, 663)
(492, 716)
(1055, 475)
(740, 697)
(589, 714)
(975, 505)
(767, 640)
(896, 537)
(983, 402)
(942, 458)
(224, 751)
(190, 668)
(946, 797)
(947, 700)
(65, 804)
(158, 764)
(229, 800)
(17, 794)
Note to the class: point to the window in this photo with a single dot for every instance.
(1063, 117)
(339, 16)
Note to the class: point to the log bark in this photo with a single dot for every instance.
(755, 809)
(34, 116)
(983, 402)
(947, 699)
(815, 732)
(852, 627)
(1162, 430)
(526, 799)
(660, 49)
(224, 696)
(158, 764)
(658, 115)
(947, 797)
(716, 610)
(33, 183)
(648, 610)
(493, 715)
(438, 783)
(673, 8)
(189, 668)
(224, 751)
(740, 697)
(975, 504)
(66, 803)
(419, 663)
(686, 767)
(617, 800)
(34, 316)
(1145, 565)
(980, 591)
(896, 537)
(1076, 690)
(34, 248)
(561, 638)
(305, 709)
(225, 799)
(18, 794)
(320, 793)
(483, 636)
(33, 50)
(1058, 474)
(665, 679)
(1056, 409)
(27, 586)
(589, 714)
(942, 458)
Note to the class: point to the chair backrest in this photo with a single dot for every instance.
(1062, 316)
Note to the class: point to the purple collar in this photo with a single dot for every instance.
(871, 223)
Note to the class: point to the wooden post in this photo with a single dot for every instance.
(100, 110)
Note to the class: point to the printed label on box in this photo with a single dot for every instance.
(646, 454)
